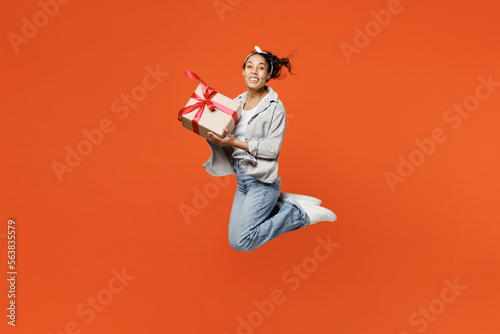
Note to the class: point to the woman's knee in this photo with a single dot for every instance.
(241, 244)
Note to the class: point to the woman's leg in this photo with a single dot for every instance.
(256, 215)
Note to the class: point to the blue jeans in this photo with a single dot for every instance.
(257, 216)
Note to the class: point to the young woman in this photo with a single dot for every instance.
(259, 213)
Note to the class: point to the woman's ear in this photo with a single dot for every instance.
(243, 72)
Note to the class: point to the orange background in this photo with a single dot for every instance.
(347, 125)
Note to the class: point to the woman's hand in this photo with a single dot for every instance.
(228, 140)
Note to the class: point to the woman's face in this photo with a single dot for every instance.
(255, 72)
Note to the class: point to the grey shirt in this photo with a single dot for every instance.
(264, 134)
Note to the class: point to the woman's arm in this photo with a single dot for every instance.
(228, 140)
(267, 147)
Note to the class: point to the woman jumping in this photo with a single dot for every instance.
(251, 151)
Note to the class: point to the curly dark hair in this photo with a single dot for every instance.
(277, 62)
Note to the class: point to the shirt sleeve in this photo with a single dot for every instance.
(269, 147)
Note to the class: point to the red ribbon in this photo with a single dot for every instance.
(205, 100)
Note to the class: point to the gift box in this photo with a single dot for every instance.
(209, 111)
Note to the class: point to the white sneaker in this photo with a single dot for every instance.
(318, 213)
(301, 198)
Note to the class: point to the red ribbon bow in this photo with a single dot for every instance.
(205, 100)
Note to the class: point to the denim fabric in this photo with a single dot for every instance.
(257, 216)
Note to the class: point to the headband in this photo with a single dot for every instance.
(258, 50)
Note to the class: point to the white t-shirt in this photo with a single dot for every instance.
(240, 129)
